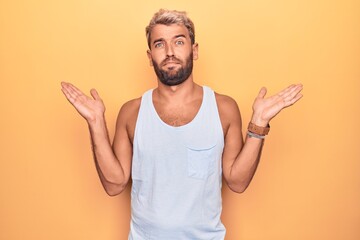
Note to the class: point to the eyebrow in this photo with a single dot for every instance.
(162, 39)
(180, 35)
(158, 40)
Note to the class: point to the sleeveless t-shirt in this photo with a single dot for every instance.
(177, 175)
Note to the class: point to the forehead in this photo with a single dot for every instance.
(161, 31)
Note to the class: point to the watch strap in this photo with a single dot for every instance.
(262, 131)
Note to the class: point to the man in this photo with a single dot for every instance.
(177, 141)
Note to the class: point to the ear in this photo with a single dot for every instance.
(195, 49)
(148, 52)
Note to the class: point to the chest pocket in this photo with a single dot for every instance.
(201, 162)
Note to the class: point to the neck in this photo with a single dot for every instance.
(176, 93)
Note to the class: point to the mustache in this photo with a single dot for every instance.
(170, 59)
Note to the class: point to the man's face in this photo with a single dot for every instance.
(171, 53)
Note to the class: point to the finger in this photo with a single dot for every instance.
(262, 92)
(293, 100)
(95, 94)
(73, 94)
(286, 90)
(68, 95)
(74, 90)
(69, 89)
(64, 89)
(293, 91)
(295, 88)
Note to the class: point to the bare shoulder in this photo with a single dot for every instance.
(225, 101)
(228, 111)
(130, 107)
(227, 105)
(127, 117)
(129, 111)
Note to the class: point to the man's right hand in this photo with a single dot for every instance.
(89, 108)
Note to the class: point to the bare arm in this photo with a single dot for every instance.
(240, 159)
(113, 169)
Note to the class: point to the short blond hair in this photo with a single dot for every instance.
(168, 17)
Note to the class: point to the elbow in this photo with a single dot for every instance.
(111, 193)
(113, 189)
(238, 187)
(114, 186)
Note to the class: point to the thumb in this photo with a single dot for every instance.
(95, 94)
(262, 92)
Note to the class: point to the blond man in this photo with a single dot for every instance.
(177, 141)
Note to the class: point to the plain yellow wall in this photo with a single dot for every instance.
(308, 183)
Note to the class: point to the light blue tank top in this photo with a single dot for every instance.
(177, 175)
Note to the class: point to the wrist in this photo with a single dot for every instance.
(258, 130)
(258, 121)
(254, 135)
(96, 121)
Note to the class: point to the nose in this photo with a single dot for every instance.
(169, 50)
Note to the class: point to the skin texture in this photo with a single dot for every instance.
(170, 47)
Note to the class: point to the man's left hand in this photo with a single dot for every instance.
(264, 109)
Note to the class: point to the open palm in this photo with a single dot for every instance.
(267, 108)
(88, 107)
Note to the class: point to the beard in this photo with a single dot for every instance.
(174, 77)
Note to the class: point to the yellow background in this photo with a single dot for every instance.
(308, 183)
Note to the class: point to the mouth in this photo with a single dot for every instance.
(171, 61)
(171, 64)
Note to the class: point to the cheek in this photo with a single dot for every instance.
(158, 56)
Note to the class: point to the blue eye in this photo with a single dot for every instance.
(159, 45)
(179, 42)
